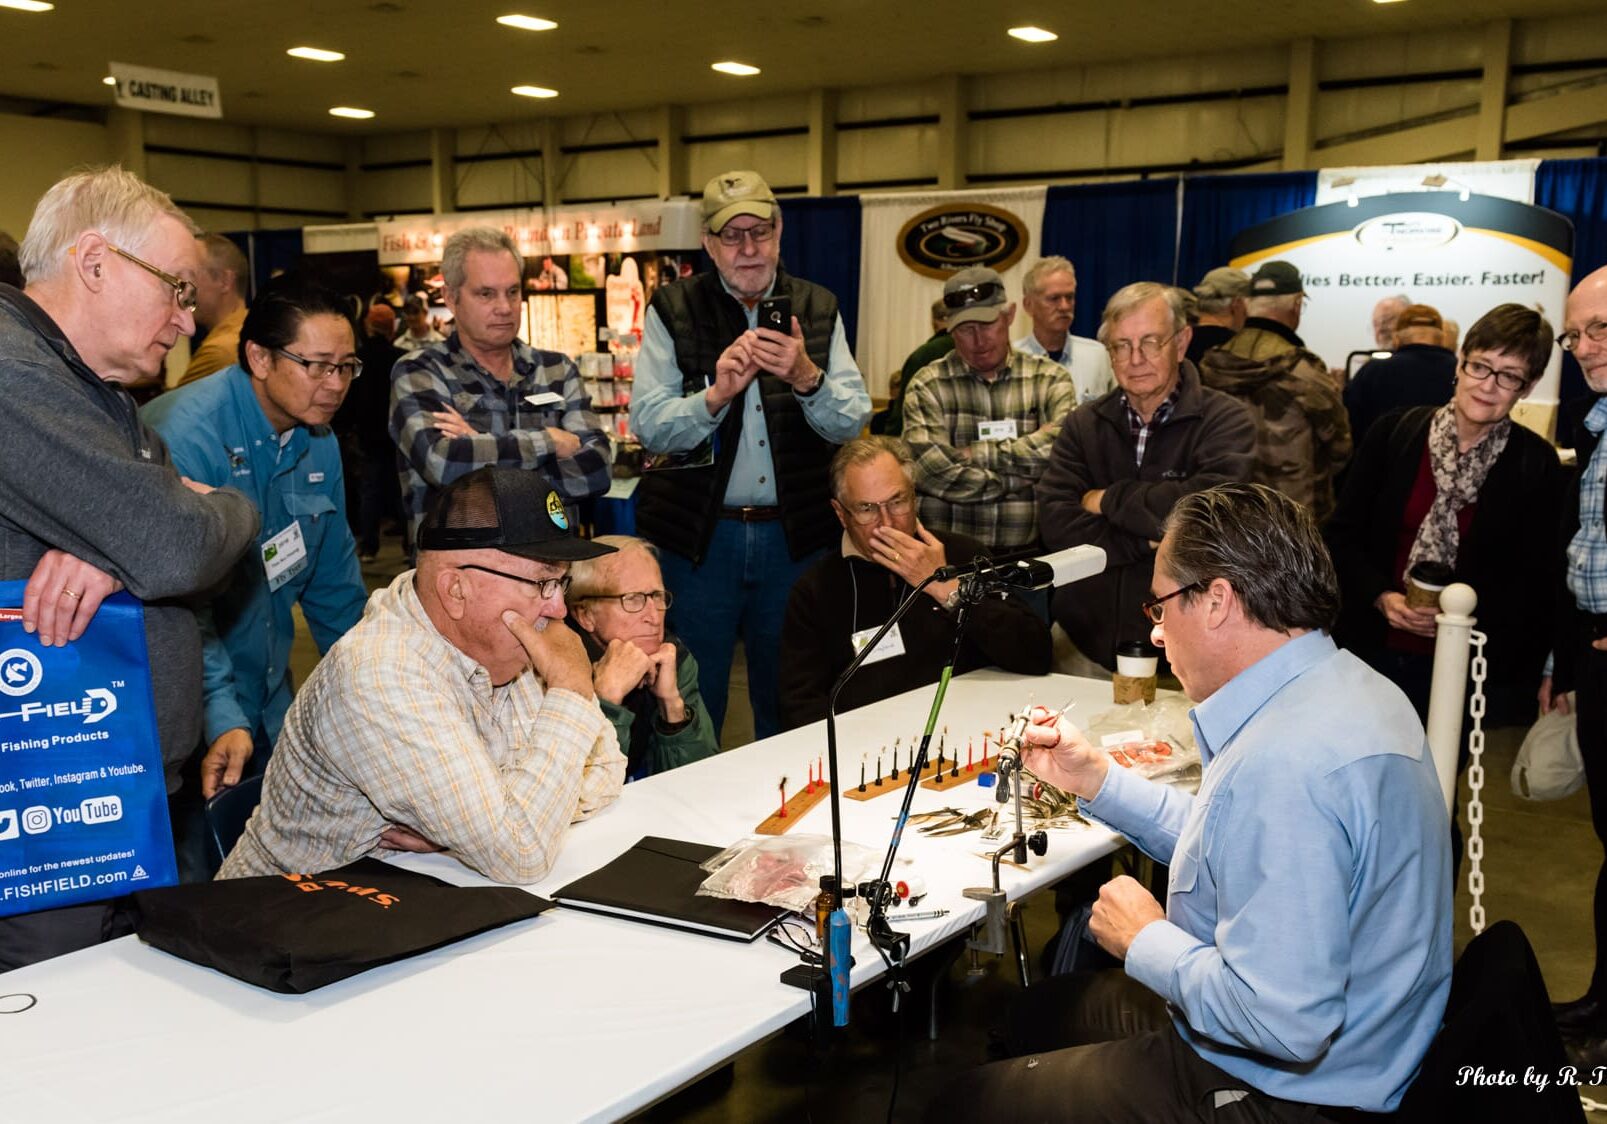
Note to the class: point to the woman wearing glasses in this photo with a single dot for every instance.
(646, 681)
(1463, 486)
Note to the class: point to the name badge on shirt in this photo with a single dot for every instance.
(545, 398)
(996, 430)
(284, 556)
(892, 644)
(315, 477)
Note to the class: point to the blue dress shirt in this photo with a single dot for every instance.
(218, 435)
(1307, 944)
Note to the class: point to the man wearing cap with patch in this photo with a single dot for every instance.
(1422, 372)
(1221, 298)
(458, 715)
(1302, 430)
(1049, 298)
(739, 422)
(982, 419)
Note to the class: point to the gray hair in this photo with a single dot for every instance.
(116, 203)
(1129, 297)
(1275, 305)
(863, 450)
(461, 244)
(1042, 269)
(223, 256)
(588, 576)
(1265, 545)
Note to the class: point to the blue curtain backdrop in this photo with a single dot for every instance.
(1215, 208)
(1114, 233)
(1578, 189)
(820, 243)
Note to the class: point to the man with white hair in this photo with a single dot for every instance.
(1385, 313)
(485, 397)
(89, 502)
(1049, 298)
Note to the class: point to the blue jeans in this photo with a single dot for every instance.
(740, 589)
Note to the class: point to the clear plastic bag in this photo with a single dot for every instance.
(1154, 740)
(783, 870)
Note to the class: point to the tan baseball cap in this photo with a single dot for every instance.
(975, 294)
(730, 194)
(1419, 316)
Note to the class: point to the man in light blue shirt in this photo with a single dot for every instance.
(1049, 298)
(1304, 953)
(263, 428)
(744, 389)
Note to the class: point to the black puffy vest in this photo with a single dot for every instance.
(677, 508)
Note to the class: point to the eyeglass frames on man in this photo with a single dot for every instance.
(1507, 380)
(321, 369)
(734, 236)
(1149, 347)
(1155, 607)
(867, 513)
(545, 588)
(968, 295)
(636, 602)
(1595, 332)
(184, 292)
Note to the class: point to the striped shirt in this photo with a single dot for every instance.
(397, 726)
(1141, 429)
(989, 494)
(1587, 552)
(509, 430)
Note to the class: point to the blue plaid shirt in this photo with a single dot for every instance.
(1140, 429)
(1587, 553)
(510, 431)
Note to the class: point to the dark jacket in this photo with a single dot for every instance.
(1418, 374)
(677, 508)
(839, 596)
(649, 745)
(1209, 439)
(1506, 555)
(1571, 431)
(1204, 338)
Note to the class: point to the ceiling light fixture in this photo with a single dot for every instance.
(1030, 34)
(535, 92)
(27, 5)
(1386, 1)
(740, 69)
(526, 23)
(351, 111)
(315, 54)
(108, 81)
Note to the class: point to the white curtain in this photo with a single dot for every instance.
(894, 301)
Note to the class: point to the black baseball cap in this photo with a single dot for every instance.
(513, 510)
(1276, 279)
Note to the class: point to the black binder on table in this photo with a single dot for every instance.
(656, 881)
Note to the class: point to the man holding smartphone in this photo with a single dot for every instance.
(720, 386)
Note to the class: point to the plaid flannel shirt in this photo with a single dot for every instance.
(988, 495)
(1140, 429)
(397, 726)
(510, 431)
(1587, 552)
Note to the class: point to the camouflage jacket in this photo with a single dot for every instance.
(1302, 429)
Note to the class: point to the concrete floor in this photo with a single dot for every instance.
(1540, 866)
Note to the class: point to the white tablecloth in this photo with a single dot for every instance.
(571, 1016)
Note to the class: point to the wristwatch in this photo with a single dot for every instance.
(820, 378)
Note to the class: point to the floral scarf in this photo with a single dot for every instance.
(1458, 476)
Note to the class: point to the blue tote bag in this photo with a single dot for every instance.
(83, 803)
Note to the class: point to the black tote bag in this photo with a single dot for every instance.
(295, 933)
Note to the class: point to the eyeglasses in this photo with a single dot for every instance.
(967, 295)
(758, 232)
(321, 369)
(1595, 332)
(867, 513)
(1149, 347)
(1506, 380)
(636, 602)
(1155, 607)
(544, 588)
(183, 291)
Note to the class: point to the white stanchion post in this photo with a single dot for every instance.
(1448, 689)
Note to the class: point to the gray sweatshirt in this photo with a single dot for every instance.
(81, 473)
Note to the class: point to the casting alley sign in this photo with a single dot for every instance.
(166, 91)
(954, 236)
(1462, 256)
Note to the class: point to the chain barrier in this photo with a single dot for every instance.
(1475, 806)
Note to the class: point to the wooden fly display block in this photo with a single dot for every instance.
(966, 775)
(873, 790)
(798, 806)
